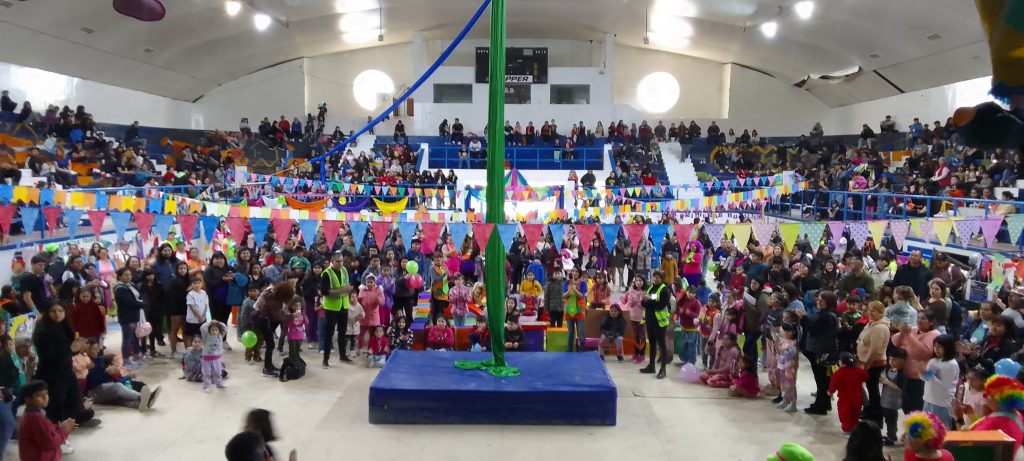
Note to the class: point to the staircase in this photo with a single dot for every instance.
(680, 172)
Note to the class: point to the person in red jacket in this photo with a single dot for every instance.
(40, 439)
(848, 382)
(440, 337)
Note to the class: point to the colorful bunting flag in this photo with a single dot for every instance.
(763, 232)
(482, 234)
(835, 229)
(966, 228)
(899, 230)
(1015, 225)
(357, 228)
(188, 225)
(942, 229)
(859, 233)
(307, 228)
(96, 218)
(586, 234)
(120, 220)
(635, 234)
(989, 228)
(52, 216)
(715, 231)
(431, 232)
(789, 232)
(259, 229)
(813, 231)
(926, 230)
(209, 224)
(532, 233)
(557, 234)
(143, 220)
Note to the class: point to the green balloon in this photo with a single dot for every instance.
(412, 268)
(249, 339)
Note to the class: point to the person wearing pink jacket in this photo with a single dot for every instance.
(459, 297)
(692, 260)
(918, 344)
(631, 304)
(371, 297)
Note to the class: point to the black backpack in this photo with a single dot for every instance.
(292, 369)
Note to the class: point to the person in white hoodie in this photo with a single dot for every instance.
(881, 270)
(355, 314)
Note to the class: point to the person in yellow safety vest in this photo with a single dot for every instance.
(656, 316)
(335, 287)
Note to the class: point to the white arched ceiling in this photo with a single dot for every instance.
(198, 47)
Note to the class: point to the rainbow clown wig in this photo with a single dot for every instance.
(926, 429)
(1007, 392)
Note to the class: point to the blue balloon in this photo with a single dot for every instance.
(1007, 367)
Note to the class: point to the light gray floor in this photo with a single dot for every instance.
(324, 416)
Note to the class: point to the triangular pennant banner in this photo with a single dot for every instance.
(431, 232)
(1015, 224)
(507, 234)
(458, 232)
(899, 230)
(52, 215)
(966, 228)
(715, 232)
(684, 232)
(380, 231)
(408, 231)
(188, 225)
(482, 234)
(835, 229)
(96, 218)
(789, 232)
(532, 233)
(30, 215)
(6, 216)
(586, 233)
(557, 235)
(635, 234)
(143, 220)
(877, 229)
(72, 218)
(658, 233)
(307, 227)
(259, 229)
(989, 228)
(942, 229)
(859, 233)
(358, 229)
(282, 230)
(927, 230)
(741, 232)
(120, 220)
(813, 232)
(610, 233)
(162, 225)
(209, 224)
(763, 233)
(236, 226)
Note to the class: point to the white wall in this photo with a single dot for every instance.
(929, 105)
(271, 92)
(769, 105)
(107, 103)
(329, 79)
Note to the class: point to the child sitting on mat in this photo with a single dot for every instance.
(514, 341)
(480, 338)
(725, 362)
(399, 335)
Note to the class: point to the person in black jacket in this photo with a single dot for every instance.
(177, 290)
(613, 330)
(914, 274)
(514, 341)
(656, 316)
(129, 305)
(821, 348)
(52, 339)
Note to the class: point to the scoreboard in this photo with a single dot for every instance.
(522, 65)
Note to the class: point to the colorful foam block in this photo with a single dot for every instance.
(557, 339)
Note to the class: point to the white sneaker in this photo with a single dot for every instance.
(222, 386)
(66, 449)
(144, 396)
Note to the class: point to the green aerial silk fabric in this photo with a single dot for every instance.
(494, 268)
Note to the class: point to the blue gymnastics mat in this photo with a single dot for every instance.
(572, 389)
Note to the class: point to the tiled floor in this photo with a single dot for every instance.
(324, 416)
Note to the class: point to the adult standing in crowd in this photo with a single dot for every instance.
(822, 349)
(52, 339)
(217, 277)
(272, 310)
(918, 343)
(656, 316)
(871, 346)
(177, 291)
(914, 275)
(335, 287)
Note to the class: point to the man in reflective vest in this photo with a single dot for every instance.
(657, 316)
(335, 288)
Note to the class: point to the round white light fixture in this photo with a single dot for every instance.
(658, 92)
(358, 21)
(348, 6)
(804, 9)
(769, 29)
(232, 7)
(370, 87)
(261, 21)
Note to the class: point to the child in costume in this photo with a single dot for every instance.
(789, 360)
(530, 291)
(1005, 400)
(848, 382)
(459, 297)
(925, 434)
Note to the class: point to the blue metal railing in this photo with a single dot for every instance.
(523, 158)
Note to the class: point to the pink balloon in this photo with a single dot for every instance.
(689, 373)
(416, 282)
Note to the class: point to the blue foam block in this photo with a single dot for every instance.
(553, 389)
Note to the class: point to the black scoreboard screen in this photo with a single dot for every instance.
(522, 65)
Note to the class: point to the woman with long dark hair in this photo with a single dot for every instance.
(177, 290)
(217, 276)
(52, 339)
(820, 347)
(129, 305)
(271, 311)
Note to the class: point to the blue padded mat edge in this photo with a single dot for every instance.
(553, 389)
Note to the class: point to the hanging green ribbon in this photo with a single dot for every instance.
(489, 366)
